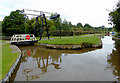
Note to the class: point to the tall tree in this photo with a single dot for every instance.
(114, 17)
(88, 26)
(29, 26)
(0, 28)
(79, 25)
(57, 21)
(14, 23)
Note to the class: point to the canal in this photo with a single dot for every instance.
(41, 64)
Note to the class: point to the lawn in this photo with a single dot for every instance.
(0, 62)
(65, 36)
(8, 59)
(72, 40)
(2, 41)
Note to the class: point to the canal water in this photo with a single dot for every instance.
(41, 64)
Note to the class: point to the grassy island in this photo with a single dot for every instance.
(72, 40)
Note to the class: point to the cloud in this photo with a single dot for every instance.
(84, 11)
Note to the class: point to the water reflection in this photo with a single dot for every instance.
(113, 61)
(43, 60)
(41, 64)
(36, 60)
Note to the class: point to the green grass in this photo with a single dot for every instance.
(65, 36)
(72, 40)
(8, 58)
(2, 41)
(5, 36)
(0, 62)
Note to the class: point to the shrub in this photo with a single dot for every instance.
(71, 33)
(117, 35)
(63, 33)
(87, 45)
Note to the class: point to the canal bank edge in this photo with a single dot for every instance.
(72, 47)
(115, 38)
(12, 69)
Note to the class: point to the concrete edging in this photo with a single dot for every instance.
(72, 47)
(12, 69)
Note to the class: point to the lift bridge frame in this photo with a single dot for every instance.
(42, 17)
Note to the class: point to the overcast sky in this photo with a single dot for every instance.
(93, 12)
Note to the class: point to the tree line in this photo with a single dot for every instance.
(114, 17)
(19, 23)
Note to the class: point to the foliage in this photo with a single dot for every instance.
(14, 23)
(63, 33)
(87, 25)
(114, 17)
(66, 25)
(117, 35)
(0, 28)
(79, 25)
(29, 26)
(85, 32)
(17, 23)
(71, 33)
(57, 22)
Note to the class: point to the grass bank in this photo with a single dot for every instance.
(2, 41)
(8, 59)
(117, 35)
(65, 36)
(72, 40)
(0, 61)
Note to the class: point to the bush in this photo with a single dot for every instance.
(117, 35)
(87, 45)
(71, 33)
(85, 32)
(63, 33)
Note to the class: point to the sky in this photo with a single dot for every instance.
(93, 12)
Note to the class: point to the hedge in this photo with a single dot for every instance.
(71, 33)
(63, 33)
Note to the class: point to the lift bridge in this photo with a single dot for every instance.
(19, 39)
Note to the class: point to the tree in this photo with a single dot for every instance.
(14, 23)
(79, 25)
(57, 22)
(29, 26)
(70, 25)
(114, 18)
(0, 28)
(65, 25)
(88, 26)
